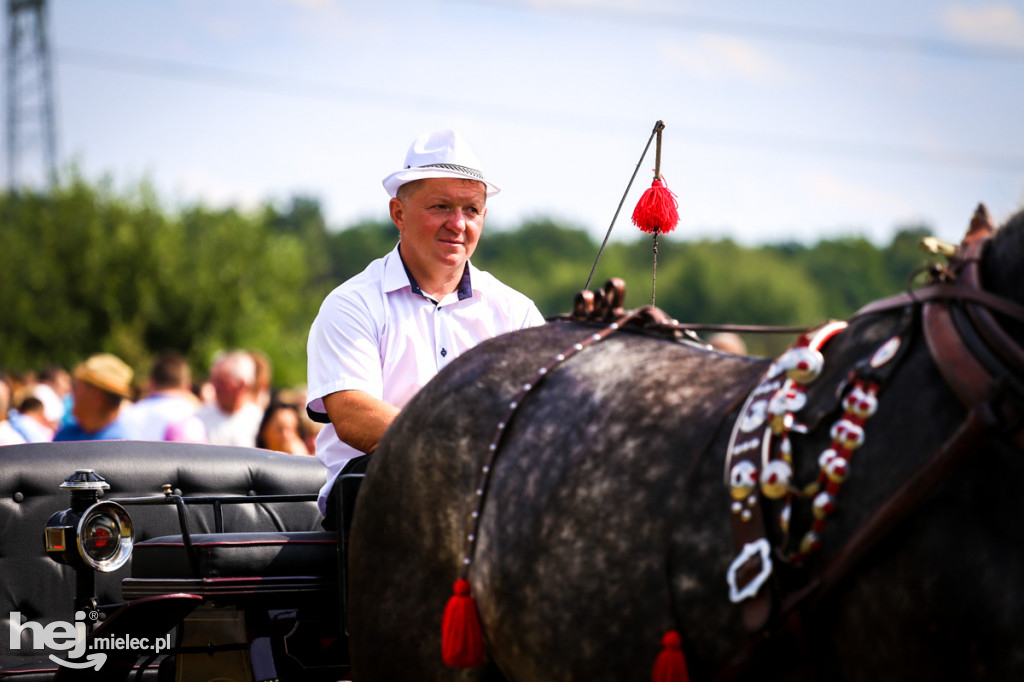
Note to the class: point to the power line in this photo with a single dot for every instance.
(214, 76)
(289, 86)
(872, 151)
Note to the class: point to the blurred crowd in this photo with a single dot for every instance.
(102, 399)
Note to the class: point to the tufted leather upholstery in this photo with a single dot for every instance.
(42, 590)
(239, 554)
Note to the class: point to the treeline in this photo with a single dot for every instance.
(85, 267)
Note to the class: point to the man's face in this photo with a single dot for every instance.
(440, 220)
(85, 397)
(226, 386)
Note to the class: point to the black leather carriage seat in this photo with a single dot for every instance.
(260, 565)
(225, 555)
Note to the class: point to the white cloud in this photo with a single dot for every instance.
(992, 24)
(841, 196)
(717, 57)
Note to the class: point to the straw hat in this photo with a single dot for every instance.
(107, 372)
(440, 154)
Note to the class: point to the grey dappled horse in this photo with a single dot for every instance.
(607, 520)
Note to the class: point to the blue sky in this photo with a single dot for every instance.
(784, 120)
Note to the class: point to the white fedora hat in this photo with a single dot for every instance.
(440, 154)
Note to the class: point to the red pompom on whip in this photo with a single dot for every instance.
(670, 666)
(658, 209)
(462, 638)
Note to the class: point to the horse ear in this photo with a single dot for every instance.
(981, 224)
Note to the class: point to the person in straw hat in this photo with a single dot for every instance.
(383, 334)
(99, 386)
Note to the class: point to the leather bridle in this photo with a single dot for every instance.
(980, 362)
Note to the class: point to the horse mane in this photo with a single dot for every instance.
(1005, 253)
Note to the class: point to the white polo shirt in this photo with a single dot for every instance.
(380, 334)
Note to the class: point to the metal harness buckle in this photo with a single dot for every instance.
(761, 548)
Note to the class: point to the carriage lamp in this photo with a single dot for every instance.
(93, 534)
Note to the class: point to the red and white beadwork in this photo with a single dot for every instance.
(847, 433)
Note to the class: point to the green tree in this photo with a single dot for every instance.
(542, 259)
(848, 271)
(85, 268)
(905, 257)
(352, 249)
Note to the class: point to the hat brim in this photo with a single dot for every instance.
(102, 382)
(398, 178)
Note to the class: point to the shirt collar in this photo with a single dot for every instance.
(397, 275)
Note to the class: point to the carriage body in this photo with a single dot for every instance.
(172, 561)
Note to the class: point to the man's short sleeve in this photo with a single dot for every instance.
(534, 318)
(343, 349)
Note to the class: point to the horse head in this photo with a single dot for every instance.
(1001, 266)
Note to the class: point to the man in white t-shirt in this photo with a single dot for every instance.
(383, 334)
(168, 412)
(235, 417)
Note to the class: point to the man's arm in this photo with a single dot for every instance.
(359, 419)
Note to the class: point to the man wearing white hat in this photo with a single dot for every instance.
(383, 334)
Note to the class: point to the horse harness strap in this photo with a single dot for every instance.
(768, 410)
(945, 292)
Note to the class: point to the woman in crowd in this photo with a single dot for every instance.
(279, 430)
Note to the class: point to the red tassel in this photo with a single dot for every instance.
(462, 639)
(670, 666)
(657, 210)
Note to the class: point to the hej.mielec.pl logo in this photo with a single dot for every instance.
(71, 637)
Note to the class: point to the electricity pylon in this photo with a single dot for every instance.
(30, 117)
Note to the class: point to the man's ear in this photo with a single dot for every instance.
(397, 211)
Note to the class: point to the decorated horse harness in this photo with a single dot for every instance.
(981, 364)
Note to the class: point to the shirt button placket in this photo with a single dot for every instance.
(439, 347)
